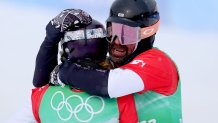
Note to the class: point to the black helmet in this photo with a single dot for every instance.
(136, 13)
(85, 42)
(141, 13)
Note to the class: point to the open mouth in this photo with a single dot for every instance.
(118, 52)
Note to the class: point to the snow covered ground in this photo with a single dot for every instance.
(196, 54)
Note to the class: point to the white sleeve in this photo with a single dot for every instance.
(123, 82)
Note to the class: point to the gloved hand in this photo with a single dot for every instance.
(67, 18)
(47, 56)
(86, 64)
(54, 77)
(81, 76)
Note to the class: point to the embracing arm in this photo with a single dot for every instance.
(157, 73)
(107, 83)
(47, 56)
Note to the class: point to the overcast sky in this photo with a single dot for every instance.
(191, 14)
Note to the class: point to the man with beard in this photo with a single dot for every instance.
(142, 71)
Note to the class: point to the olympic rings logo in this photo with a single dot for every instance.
(78, 108)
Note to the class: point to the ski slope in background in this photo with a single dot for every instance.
(194, 50)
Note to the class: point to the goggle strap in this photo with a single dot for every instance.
(149, 31)
(84, 34)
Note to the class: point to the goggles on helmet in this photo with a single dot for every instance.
(129, 35)
(84, 34)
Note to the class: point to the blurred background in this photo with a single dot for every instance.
(188, 33)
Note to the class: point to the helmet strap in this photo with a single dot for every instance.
(136, 45)
(85, 34)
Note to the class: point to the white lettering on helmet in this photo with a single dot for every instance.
(120, 14)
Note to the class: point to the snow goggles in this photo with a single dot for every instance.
(84, 34)
(129, 35)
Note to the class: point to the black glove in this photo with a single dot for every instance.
(47, 56)
(54, 78)
(67, 18)
(92, 81)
